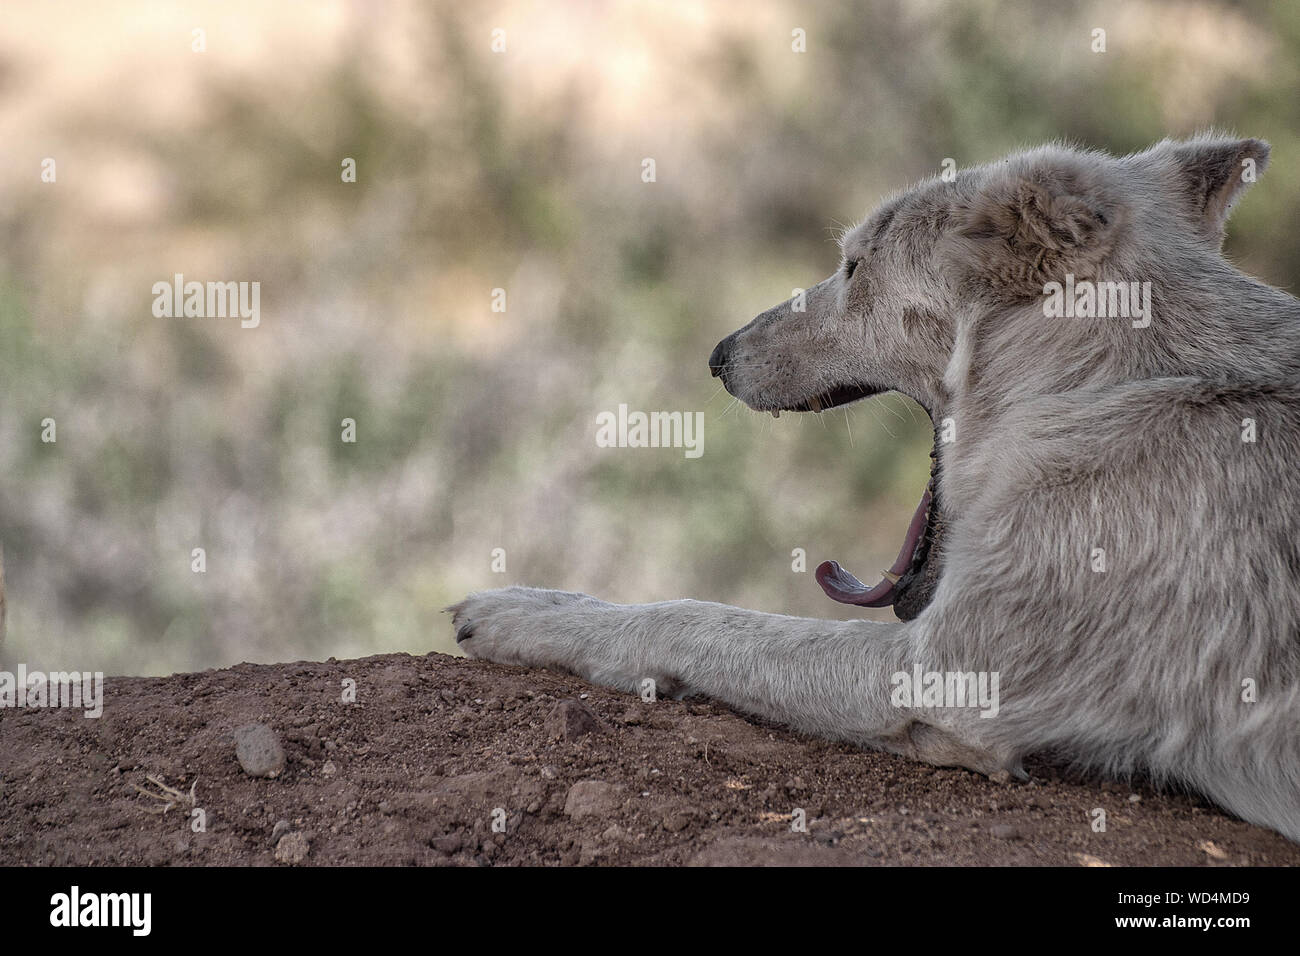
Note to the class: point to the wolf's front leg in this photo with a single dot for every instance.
(831, 678)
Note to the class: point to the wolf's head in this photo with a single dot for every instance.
(948, 290)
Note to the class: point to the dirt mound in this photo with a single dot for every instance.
(437, 751)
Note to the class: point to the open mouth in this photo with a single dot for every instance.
(835, 397)
(841, 395)
(909, 583)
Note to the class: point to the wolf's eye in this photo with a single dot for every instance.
(849, 266)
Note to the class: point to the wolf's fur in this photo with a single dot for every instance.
(1071, 435)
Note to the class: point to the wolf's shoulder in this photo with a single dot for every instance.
(1180, 402)
(1162, 432)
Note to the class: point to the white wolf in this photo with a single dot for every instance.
(1115, 529)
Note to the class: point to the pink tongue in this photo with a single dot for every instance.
(842, 586)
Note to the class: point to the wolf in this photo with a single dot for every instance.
(1112, 525)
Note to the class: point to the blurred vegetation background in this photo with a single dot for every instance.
(479, 170)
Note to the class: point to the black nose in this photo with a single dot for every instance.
(718, 360)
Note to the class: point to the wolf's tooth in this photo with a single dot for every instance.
(816, 404)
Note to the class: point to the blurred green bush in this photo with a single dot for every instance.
(478, 170)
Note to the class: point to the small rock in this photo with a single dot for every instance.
(571, 719)
(1212, 850)
(588, 798)
(1004, 831)
(280, 829)
(676, 822)
(259, 752)
(328, 769)
(293, 847)
(447, 843)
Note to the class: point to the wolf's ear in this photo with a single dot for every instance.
(1213, 174)
(1036, 226)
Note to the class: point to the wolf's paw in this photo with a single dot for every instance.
(527, 626)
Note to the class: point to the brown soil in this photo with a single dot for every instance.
(411, 774)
